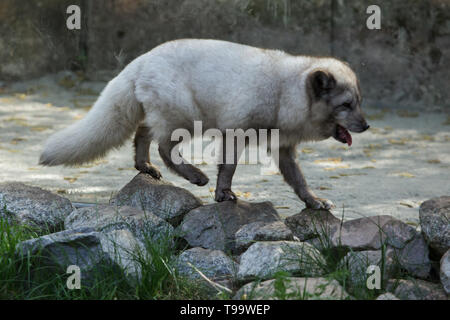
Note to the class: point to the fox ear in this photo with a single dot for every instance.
(321, 82)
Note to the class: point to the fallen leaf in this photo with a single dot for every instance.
(307, 150)
(344, 166)
(376, 116)
(398, 141)
(39, 128)
(427, 137)
(70, 179)
(406, 175)
(434, 161)
(407, 204)
(332, 160)
(17, 140)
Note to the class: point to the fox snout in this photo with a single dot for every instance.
(360, 127)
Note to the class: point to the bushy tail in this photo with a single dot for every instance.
(111, 121)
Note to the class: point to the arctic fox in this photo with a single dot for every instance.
(226, 86)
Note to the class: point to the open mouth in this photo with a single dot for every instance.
(342, 135)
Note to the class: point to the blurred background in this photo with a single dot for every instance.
(50, 76)
(406, 63)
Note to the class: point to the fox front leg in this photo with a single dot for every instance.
(294, 177)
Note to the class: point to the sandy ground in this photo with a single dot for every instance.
(401, 161)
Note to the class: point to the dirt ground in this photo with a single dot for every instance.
(401, 161)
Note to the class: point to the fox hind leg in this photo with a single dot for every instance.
(184, 169)
(142, 141)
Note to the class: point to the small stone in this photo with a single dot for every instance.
(144, 225)
(261, 231)
(159, 197)
(214, 226)
(445, 272)
(310, 223)
(292, 288)
(416, 290)
(33, 206)
(387, 296)
(434, 217)
(264, 259)
(214, 264)
(358, 262)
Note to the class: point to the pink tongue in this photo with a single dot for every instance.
(345, 135)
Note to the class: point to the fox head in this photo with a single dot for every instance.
(335, 101)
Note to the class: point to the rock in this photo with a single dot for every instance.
(445, 272)
(293, 288)
(91, 251)
(387, 296)
(310, 223)
(123, 249)
(361, 234)
(434, 215)
(261, 231)
(264, 259)
(159, 197)
(414, 257)
(409, 248)
(398, 233)
(214, 226)
(357, 264)
(416, 290)
(144, 225)
(33, 206)
(212, 263)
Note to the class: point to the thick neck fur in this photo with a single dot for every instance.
(299, 119)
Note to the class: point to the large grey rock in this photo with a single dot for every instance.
(261, 231)
(416, 290)
(264, 259)
(159, 197)
(409, 249)
(434, 217)
(33, 206)
(144, 225)
(214, 226)
(361, 234)
(310, 223)
(212, 263)
(445, 272)
(357, 263)
(91, 251)
(293, 289)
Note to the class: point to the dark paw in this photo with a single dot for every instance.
(150, 169)
(225, 195)
(198, 178)
(319, 203)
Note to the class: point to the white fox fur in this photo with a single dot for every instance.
(223, 84)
